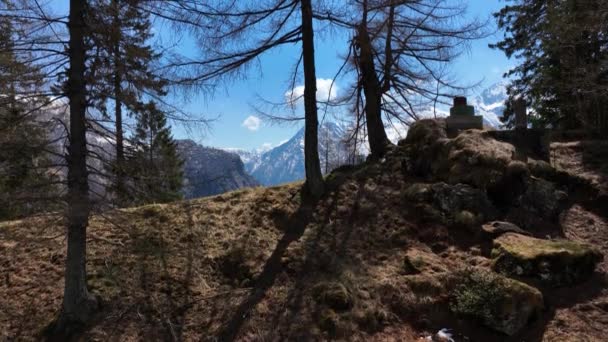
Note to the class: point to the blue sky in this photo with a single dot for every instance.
(232, 104)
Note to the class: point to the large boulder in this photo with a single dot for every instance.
(475, 158)
(452, 200)
(541, 201)
(554, 262)
(426, 131)
(500, 303)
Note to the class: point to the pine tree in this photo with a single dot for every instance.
(121, 33)
(563, 52)
(26, 185)
(154, 167)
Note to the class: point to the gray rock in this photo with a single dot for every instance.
(452, 199)
(541, 202)
(553, 262)
(497, 228)
(503, 304)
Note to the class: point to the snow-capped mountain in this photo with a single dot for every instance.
(490, 103)
(285, 163)
(250, 158)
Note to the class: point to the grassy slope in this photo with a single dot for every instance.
(270, 265)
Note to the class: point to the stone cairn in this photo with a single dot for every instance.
(462, 117)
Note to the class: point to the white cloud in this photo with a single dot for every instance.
(324, 85)
(266, 146)
(252, 123)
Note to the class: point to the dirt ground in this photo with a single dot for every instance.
(266, 264)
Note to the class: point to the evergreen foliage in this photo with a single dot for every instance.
(123, 59)
(154, 168)
(26, 184)
(563, 49)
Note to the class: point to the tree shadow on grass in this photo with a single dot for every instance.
(294, 227)
(324, 252)
(150, 295)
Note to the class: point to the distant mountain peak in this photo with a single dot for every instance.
(490, 103)
(209, 171)
(285, 162)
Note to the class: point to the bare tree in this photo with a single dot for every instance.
(314, 178)
(233, 35)
(399, 55)
(52, 54)
(369, 82)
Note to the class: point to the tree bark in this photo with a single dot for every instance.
(78, 305)
(378, 141)
(314, 178)
(120, 188)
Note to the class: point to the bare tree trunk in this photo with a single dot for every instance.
(314, 178)
(378, 141)
(120, 153)
(326, 151)
(78, 305)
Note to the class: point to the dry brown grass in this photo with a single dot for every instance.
(262, 263)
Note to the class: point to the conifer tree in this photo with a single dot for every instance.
(562, 49)
(154, 167)
(121, 32)
(26, 185)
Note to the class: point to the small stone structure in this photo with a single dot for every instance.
(462, 117)
(521, 115)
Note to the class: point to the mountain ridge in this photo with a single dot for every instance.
(210, 171)
(285, 162)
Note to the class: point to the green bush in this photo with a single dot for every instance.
(478, 294)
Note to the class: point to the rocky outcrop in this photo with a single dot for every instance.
(503, 304)
(554, 262)
(476, 159)
(451, 201)
(474, 178)
(541, 200)
(210, 171)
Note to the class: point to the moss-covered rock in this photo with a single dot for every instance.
(541, 201)
(503, 304)
(466, 219)
(412, 265)
(423, 145)
(554, 262)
